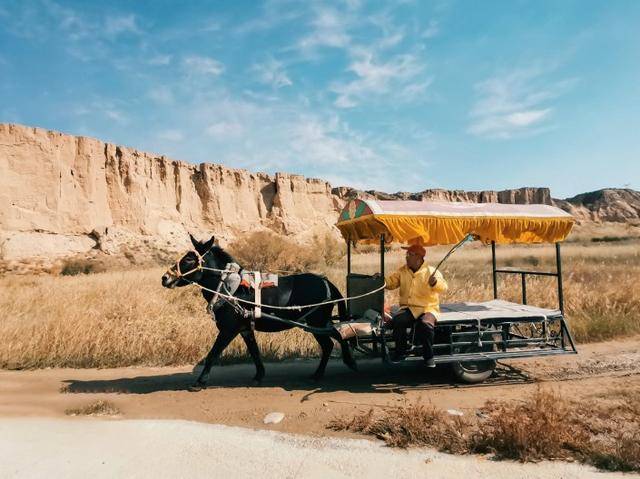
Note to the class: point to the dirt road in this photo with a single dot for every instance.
(150, 437)
(161, 393)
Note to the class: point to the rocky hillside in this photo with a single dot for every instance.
(610, 204)
(62, 195)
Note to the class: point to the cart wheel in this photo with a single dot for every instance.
(473, 372)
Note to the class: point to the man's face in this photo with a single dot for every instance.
(414, 260)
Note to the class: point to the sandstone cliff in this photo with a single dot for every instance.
(517, 196)
(61, 194)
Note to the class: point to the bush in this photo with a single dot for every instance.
(268, 251)
(541, 428)
(415, 425)
(608, 239)
(546, 426)
(74, 267)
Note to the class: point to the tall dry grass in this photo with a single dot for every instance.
(126, 318)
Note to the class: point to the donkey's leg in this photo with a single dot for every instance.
(225, 336)
(327, 346)
(347, 357)
(252, 346)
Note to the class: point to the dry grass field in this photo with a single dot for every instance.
(119, 318)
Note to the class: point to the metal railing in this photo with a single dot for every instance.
(524, 273)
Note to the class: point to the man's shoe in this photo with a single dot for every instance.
(397, 357)
(430, 363)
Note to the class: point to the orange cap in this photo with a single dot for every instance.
(416, 249)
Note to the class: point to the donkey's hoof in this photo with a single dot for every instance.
(256, 381)
(197, 386)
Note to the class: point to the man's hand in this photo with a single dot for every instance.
(432, 281)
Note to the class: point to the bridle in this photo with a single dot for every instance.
(175, 271)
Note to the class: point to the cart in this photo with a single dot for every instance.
(469, 336)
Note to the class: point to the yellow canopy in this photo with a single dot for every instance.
(441, 223)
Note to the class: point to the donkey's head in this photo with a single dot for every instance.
(190, 268)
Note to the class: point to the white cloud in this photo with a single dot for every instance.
(272, 73)
(80, 110)
(328, 29)
(225, 129)
(161, 94)
(159, 60)
(211, 26)
(392, 35)
(377, 77)
(514, 104)
(116, 115)
(203, 65)
(526, 118)
(289, 135)
(432, 30)
(274, 13)
(171, 135)
(116, 25)
(322, 143)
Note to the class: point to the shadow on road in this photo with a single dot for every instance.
(373, 376)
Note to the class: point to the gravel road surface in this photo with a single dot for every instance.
(81, 448)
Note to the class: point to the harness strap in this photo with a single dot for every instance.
(288, 308)
(258, 298)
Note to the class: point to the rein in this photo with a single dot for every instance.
(175, 271)
(286, 308)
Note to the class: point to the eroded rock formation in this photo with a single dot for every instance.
(610, 205)
(62, 195)
(516, 196)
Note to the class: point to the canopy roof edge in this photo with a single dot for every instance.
(439, 223)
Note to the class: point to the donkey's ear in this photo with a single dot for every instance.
(209, 244)
(194, 242)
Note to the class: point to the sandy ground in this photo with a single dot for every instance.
(162, 394)
(161, 448)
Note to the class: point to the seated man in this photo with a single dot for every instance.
(420, 292)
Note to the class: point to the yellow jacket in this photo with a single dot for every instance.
(415, 291)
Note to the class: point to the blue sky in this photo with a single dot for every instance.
(394, 96)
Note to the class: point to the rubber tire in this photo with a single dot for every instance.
(473, 375)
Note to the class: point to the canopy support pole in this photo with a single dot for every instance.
(375, 343)
(348, 274)
(349, 255)
(559, 273)
(382, 255)
(493, 266)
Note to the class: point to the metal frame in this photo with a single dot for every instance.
(557, 274)
(487, 339)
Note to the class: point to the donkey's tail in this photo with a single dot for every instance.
(342, 305)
